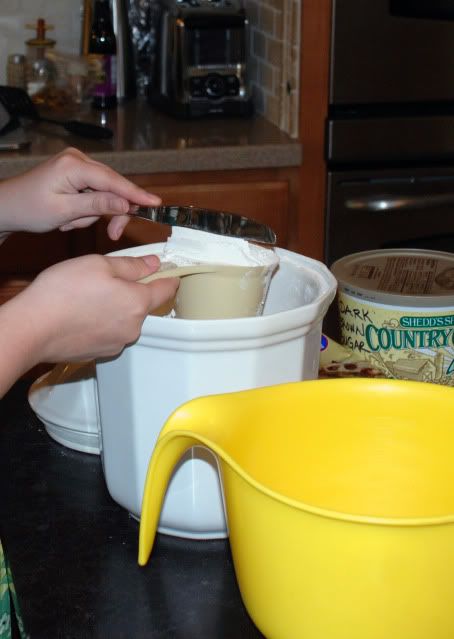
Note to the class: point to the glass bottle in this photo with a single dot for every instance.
(102, 56)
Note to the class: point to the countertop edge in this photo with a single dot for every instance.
(170, 161)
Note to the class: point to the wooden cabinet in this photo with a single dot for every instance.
(23, 255)
(27, 253)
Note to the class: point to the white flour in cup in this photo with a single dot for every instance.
(188, 246)
(237, 287)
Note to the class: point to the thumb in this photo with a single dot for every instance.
(160, 292)
(133, 268)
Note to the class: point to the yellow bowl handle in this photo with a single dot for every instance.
(167, 453)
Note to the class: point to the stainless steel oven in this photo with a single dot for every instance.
(392, 51)
(390, 128)
(390, 208)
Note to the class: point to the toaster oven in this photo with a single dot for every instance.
(201, 59)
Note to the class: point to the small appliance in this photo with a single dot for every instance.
(201, 66)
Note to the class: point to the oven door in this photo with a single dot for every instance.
(392, 51)
(389, 209)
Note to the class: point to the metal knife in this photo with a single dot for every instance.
(218, 222)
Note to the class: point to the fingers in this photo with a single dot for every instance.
(95, 203)
(80, 223)
(88, 173)
(153, 295)
(132, 269)
(90, 188)
(117, 225)
(161, 291)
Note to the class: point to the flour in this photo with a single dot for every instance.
(188, 246)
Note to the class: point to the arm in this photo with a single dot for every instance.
(79, 309)
(82, 308)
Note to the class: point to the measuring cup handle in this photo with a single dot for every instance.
(178, 271)
(159, 275)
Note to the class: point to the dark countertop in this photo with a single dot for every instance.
(73, 551)
(147, 141)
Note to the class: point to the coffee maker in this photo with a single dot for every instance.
(201, 60)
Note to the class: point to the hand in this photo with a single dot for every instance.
(69, 191)
(83, 308)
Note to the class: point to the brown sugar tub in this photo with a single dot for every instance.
(396, 308)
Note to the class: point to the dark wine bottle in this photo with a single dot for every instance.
(102, 52)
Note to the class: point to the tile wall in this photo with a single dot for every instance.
(275, 46)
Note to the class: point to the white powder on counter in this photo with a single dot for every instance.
(188, 246)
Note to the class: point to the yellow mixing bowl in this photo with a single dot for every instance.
(339, 496)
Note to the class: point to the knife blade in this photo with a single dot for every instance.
(208, 220)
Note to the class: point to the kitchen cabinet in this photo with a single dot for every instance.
(23, 255)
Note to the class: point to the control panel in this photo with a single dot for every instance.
(214, 86)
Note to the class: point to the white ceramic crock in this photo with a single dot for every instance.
(175, 360)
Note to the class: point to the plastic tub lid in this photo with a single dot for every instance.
(398, 277)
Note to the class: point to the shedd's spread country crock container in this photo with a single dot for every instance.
(397, 308)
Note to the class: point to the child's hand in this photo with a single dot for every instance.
(69, 191)
(86, 307)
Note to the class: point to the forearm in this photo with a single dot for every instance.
(12, 199)
(19, 346)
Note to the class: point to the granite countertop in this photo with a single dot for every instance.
(73, 551)
(147, 141)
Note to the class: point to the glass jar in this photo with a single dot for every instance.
(41, 73)
(15, 71)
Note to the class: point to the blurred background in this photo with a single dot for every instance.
(275, 41)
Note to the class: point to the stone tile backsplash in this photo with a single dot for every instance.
(274, 45)
(274, 50)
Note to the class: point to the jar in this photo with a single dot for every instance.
(41, 73)
(15, 71)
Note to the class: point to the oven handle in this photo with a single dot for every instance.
(383, 203)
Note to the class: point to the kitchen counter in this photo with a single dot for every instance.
(73, 551)
(147, 141)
